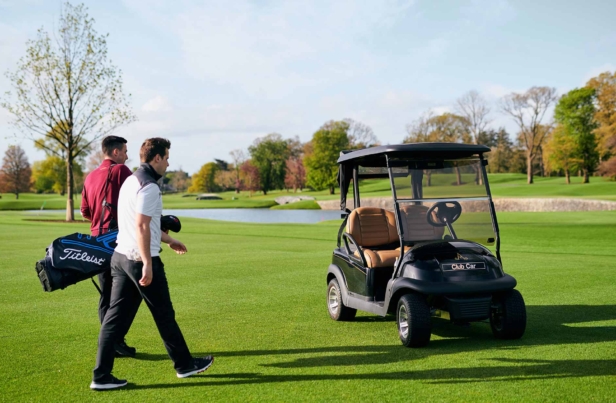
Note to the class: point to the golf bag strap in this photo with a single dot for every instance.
(96, 285)
(106, 206)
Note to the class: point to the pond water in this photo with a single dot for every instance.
(254, 215)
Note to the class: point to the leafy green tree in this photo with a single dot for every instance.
(324, 151)
(269, 155)
(500, 158)
(205, 179)
(575, 111)
(15, 171)
(560, 152)
(49, 175)
(67, 91)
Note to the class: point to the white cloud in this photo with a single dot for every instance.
(157, 104)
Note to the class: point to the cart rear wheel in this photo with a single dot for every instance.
(508, 315)
(413, 320)
(336, 308)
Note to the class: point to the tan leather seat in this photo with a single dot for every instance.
(374, 227)
(415, 225)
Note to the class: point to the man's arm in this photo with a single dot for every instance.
(85, 207)
(143, 242)
(174, 244)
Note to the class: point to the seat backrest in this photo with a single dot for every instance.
(416, 226)
(372, 226)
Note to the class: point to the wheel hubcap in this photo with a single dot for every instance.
(333, 301)
(403, 321)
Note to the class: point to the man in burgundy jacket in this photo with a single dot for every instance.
(99, 200)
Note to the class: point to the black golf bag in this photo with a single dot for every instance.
(77, 257)
(74, 258)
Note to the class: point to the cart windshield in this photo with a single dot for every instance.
(442, 199)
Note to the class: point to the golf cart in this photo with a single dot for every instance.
(434, 250)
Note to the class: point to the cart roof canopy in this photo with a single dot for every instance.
(375, 157)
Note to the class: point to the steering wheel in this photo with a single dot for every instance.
(447, 212)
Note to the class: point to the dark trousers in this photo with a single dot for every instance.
(105, 282)
(126, 295)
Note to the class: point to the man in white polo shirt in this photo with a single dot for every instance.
(138, 273)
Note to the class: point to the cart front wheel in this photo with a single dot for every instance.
(336, 308)
(413, 320)
(508, 315)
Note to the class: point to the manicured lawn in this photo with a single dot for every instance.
(254, 296)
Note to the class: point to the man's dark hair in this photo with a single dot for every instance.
(153, 147)
(111, 143)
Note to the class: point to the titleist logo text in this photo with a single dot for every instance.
(77, 254)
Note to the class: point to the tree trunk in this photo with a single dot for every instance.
(586, 178)
(332, 190)
(70, 215)
(529, 170)
(17, 196)
(458, 176)
(428, 178)
(567, 176)
(478, 177)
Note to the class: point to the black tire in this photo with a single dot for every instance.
(508, 315)
(336, 308)
(413, 320)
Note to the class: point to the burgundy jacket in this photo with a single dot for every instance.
(92, 195)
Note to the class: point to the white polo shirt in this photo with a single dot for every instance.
(134, 200)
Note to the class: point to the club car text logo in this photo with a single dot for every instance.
(464, 266)
(77, 254)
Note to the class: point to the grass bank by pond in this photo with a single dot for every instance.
(254, 296)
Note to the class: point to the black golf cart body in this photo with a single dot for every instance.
(419, 250)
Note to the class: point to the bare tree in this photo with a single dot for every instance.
(15, 172)
(67, 91)
(475, 109)
(238, 158)
(96, 157)
(528, 110)
(360, 135)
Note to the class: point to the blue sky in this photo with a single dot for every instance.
(214, 75)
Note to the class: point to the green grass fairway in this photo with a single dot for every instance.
(254, 296)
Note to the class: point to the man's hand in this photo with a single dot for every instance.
(146, 274)
(177, 246)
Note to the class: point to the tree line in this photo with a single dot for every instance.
(579, 137)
